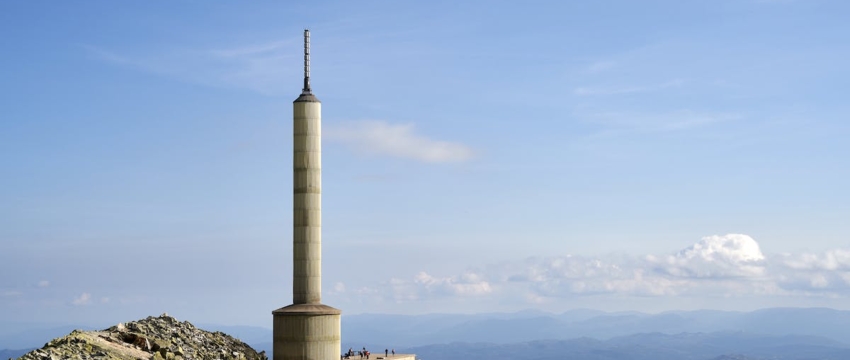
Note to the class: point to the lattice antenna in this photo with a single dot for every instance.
(306, 89)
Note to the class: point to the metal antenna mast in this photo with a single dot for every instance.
(306, 89)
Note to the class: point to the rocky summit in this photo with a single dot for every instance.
(158, 338)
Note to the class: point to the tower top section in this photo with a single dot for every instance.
(306, 89)
(307, 92)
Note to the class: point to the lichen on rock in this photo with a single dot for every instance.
(159, 338)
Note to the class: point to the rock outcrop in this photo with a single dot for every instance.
(156, 338)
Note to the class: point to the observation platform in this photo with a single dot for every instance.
(381, 356)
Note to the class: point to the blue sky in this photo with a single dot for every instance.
(478, 156)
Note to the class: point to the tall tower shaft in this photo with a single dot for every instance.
(307, 192)
(307, 329)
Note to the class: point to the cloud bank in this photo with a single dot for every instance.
(726, 266)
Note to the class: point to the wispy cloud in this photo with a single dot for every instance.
(600, 66)
(586, 91)
(252, 50)
(106, 55)
(83, 299)
(10, 293)
(590, 91)
(255, 67)
(397, 140)
(653, 122)
(43, 283)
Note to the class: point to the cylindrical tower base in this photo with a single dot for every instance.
(306, 332)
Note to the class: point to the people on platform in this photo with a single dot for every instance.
(365, 353)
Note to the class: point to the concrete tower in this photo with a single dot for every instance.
(307, 329)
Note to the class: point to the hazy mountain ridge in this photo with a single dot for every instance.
(13, 354)
(511, 328)
(35, 337)
(654, 346)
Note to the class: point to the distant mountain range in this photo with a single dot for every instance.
(407, 331)
(13, 354)
(35, 337)
(654, 346)
(776, 333)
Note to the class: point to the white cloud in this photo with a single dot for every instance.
(734, 248)
(569, 275)
(716, 256)
(466, 284)
(11, 293)
(717, 266)
(397, 140)
(826, 273)
(836, 259)
(338, 288)
(83, 299)
(424, 285)
(43, 283)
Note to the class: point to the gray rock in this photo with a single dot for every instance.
(162, 337)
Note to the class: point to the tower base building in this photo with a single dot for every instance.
(306, 331)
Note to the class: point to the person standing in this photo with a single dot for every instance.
(386, 352)
(393, 352)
